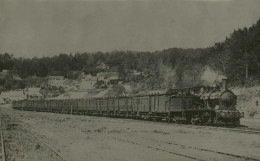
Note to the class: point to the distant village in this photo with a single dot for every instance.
(86, 85)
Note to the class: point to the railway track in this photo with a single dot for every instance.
(243, 129)
(158, 149)
(170, 143)
(226, 129)
(46, 144)
(217, 152)
(227, 156)
(2, 148)
(31, 137)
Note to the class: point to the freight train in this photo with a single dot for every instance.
(198, 106)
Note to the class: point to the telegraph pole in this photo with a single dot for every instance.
(246, 64)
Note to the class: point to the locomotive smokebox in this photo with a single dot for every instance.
(224, 83)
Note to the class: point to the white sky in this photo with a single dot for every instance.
(48, 27)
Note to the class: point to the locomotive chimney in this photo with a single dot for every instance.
(224, 83)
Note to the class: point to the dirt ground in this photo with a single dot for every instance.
(20, 145)
(89, 138)
(251, 122)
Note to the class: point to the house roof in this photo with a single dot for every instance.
(17, 78)
(55, 78)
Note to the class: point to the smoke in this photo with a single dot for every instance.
(168, 75)
(211, 77)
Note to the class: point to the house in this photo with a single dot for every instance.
(108, 78)
(102, 66)
(56, 81)
(101, 84)
(87, 85)
(136, 73)
(256, 103)
(17, 78)
(3, 73)
(56, 78)
(114, 79)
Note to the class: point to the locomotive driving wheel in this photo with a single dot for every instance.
(196, 120)
(217, 122)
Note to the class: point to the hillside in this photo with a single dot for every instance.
(237, 58)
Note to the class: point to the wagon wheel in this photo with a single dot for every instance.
(209, 122)
(196, 121)
(237, 123)
(215, 122)
(193, 121)
(169, 120)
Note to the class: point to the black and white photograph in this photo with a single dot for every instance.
(129, 80)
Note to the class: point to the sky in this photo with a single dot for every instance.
(39, 28)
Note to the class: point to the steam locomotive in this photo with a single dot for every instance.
(197, 106)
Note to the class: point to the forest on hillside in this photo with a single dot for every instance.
(237, 58)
